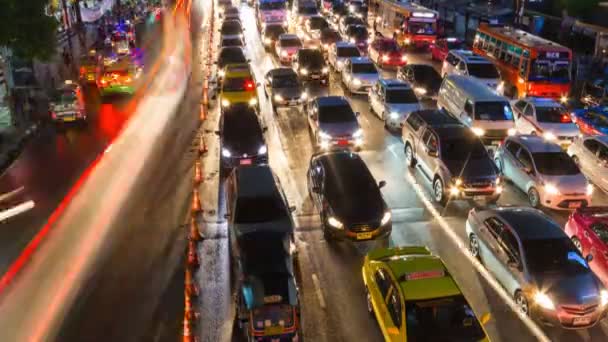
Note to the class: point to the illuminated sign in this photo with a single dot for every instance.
(423, 15)
(553, 54)
(425, 275)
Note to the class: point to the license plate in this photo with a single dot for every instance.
(68, 118)
(293, 103)
(245, 162)
(478, 198)
(270, 331)
(574, 205)
(342, 142)
(364, 236)
(581, 320)
(315, 77)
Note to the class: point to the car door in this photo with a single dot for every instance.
(295, 63)
(530, 120)
(601, 167)
(268, 85)
(489, 236)
(587, 160)
(373, 51)
(523, 171)
(313, 117)
(461, 68)
(395, 307)
(346, 74)
(376, 93)
(510, 272)
(518, 109)
(508, 158)
(315, 183)
(597, 235)
(425, 152)
(379, 292)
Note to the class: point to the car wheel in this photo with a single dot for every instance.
(534, 197)
(438, 192)
(522, 303)
(409, 156)
(577, 243)
(474, 247)
(368, 299)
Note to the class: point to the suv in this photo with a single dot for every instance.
(333, 123)
(310, 65)
(348, 198)
(466, 63)
(451, 156)
(241, 138)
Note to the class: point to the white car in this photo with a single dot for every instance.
(466, 63)
(340, 52)
(590, 153)
(286, 47)
(546, 118)
(544, 172)
(392, 100)
(359, 74)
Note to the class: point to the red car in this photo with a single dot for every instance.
(441, 47)
(588, 230)
(385, 52)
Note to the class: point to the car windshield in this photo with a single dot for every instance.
(364, 68)
(330, 35)
(318, 23)
(274, 31)
(552, 115)
(308, 10)
(556, 254)
(285, 81)
(230, 29)
(268, 6)
(463, 148)
(64, 96)
(336, 114)
(231, 56)
(350, 51)
(426, 72)
(258, 209)
(442, 319)
(483, 70)
(401, 96)
(597, 119)
(232, 42)
(555, 72)
(291, 42)
(312, 58)
(493, 111)
(421, 28)
(456, 45)
(238, 84)
(358, 32)
(555, 164)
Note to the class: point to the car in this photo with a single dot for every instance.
(590, 153)
(358, 35)
(270, 35)
(313, 26)
(119, 77)
(592, 121)
(534, 260)
(229, 55)
(241, 138)
(594, 93)
(442, 46)
(223, 4)
(121, 43)
(333, 124)
(231, 29)
(88, 67)
(588, 231)
(544, 117)
(386, 53)
(287, 46)
(283, 88)
(359, 74)
(466, 63)
(339, 52)
(68, 103)
(392, 100)
(542, 170)
(358, 8)
(413, 297)
(230, 13)
(327, 5)
(302, 11)
(348, 198)
(232, 41)
(451, 157)
(423, 78)
(337, 12)
(348, 20)
(310, 65)
(238, 86)
(329, 36)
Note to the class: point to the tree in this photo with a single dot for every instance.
(578, 8)
(26, 29)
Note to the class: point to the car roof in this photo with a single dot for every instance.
(393, 83)
(241, 112)
(543, 102)
(332, 101)
(470, 57)
(438, 118)
(360, 60)
(238, 70)
(288, 36)
(421, 66)
(232, 49)
(310, 50)
(284, 71)
(536, 143)
(474, 88)
(529, 223)
(341, 44)
(255, 181)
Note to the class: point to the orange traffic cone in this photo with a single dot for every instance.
(192, 255)
(189, 311)
(191, 288)
(198, 172)
(196, 201)
(202, 145)
(195, 234)
(188, 336)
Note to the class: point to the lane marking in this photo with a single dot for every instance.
(8, 195)
(315, 281)
(16, 210)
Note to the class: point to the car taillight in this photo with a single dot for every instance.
(83, 70)
(565, 119)
(53, 115)
(249, 85)
(103, 82)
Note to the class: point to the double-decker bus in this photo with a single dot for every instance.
(409, 23)
(529, 65)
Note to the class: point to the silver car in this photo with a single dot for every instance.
(544, 171)
(359, 74)
(391, 100)
(590, 153)
(535, 261)
(286, 47)
(333, 124)
(340, 52)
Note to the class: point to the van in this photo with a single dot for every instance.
(469, 100)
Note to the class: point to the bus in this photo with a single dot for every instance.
(529, 65)
(409, 23)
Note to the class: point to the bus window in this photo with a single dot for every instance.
(523, 70)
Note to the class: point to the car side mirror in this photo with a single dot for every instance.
(518, 115)
(433, 153)
(589, 257)
(527, 169)
(381, 184)
(357, 113)
(316, 189)
(257, 84)
(292, 208)
(218, 133)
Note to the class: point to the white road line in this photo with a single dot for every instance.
(315, 281)
(16, 210)
(8, 195)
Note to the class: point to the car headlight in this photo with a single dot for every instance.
(267, 41)
(356, 82)
(324, 135)
(225, 103)
(358, 133)
(511, 131)
(407, 41)
(394, 115)
(549, 136)
(457, 181)
(221, 73)
(284, 54)
(226, 153)
(500, 87)
(303, 71)
(369, 40)
(420, 91)
(590, 189)
(563, 99)
(325, 46)
(551, 189)
(253, 102)
(385, 218)
(325, 70)
(278, 98)
(404, 58)
(304, 95)
(352, 40)
(543, 301)
(497, 181)
(263, 149)
(478, 131)
(603, 297)
(385, 58)
(334, 222)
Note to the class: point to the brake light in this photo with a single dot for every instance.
(53, 115)
(127, 79)
(249, 85)
(82, 70)
(103, 82)
(565, 118)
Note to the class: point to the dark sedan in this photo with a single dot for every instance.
(241, 138)
(425, 80)
(283, 88)
(310, 65)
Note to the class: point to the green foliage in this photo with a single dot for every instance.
(578, 8)
(26, 29)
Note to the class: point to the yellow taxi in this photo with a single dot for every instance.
(413, 297)
(238, 86)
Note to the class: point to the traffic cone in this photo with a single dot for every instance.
(189, 311)
(195, 234)
(196, 201)
(191, 288)
(202, 145)
(192, 255)
(188, 336)
(198, 172)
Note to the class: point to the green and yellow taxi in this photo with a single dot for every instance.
(238, 86)
(414, 298)
(119, 77)
(89, 64)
